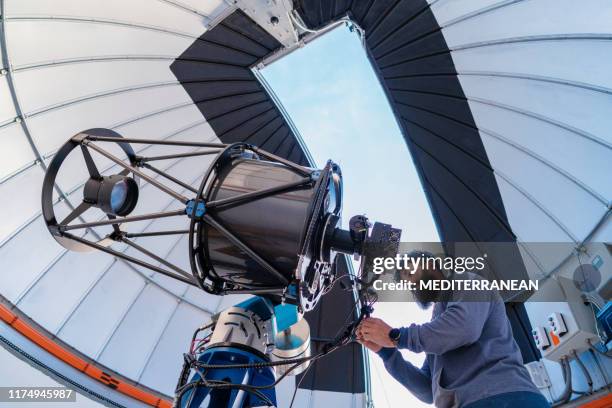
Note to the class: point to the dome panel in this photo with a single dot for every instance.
(62, 285)
(449, 10)
(144, 12)
(182, 121)
(15, 151)
(94, 319)
(7, 108)
(529, 222)
(38, 87)
(523, 19)
(138, 332)
(49, 128)
(574, 107)
(27, 186)
(17, 255)
(35, 42)
(577, 61)
(550, 189)
(570, 153)
(163, 366)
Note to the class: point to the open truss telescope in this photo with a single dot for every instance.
(257, 224)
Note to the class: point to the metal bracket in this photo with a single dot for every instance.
(194, 211)
(272, 16)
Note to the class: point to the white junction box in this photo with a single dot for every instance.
(556, 323)
(540, 336)
(539, 375)
(568, 326)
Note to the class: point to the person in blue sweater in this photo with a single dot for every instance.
(472, 360)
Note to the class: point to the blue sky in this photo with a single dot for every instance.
(332, 95)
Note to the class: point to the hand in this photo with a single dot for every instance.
(375, 331)
(370, 345)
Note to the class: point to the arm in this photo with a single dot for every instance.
(459, 325)
(416, 380)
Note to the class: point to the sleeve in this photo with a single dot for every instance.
(416, 380)
(459, 325)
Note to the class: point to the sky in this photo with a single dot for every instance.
(331, 93)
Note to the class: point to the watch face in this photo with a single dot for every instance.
(394, 334)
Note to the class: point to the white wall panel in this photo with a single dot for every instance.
(36, 41)
(38, 87)
(176, 253)
(24, 257)
(93, 322)
(15, 150)
(581, 158)
(211, 8)
(198, 297)
(51, 129)
(540, 83)
(27, 186)
(62, 286)
(579, 108)
(7, 107)
(164, 365)
(586, 63)
(532, 18)
(449, 10)
(549, 188)
(166, 122)
(139, 331)
(146, 12)
(528, 221)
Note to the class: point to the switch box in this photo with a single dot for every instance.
(541, 338)
(539, 375)
(557, 324)
(572, 325)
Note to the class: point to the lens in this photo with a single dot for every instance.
(118, 196)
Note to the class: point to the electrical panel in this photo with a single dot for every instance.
(540, 337)
(568, 326)
(556, 323)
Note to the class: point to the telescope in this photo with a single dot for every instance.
(257, 224)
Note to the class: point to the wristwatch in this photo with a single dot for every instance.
(394, 335)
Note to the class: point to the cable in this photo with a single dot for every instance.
(340, 340)
(298, 385)
(360, 31)
(567, 378)
(337, 333)
(249, 388)
(586, 373)
(604, 375)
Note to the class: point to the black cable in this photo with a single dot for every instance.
(338, 342)
(567, 378)
(586, 373)
(297, 386)
(337, 333)
(604, 376)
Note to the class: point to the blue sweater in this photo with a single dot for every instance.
(471, 355)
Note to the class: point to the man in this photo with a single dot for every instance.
(472, 360)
